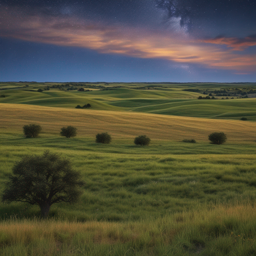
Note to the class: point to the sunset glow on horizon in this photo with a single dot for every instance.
(237, 55)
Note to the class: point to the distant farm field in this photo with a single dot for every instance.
(178, 100)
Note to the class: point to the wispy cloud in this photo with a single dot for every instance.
(238, 44)
(129, 41)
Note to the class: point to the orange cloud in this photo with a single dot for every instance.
(238, 44)
(132, 42)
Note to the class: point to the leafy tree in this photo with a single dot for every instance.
(103, 138)
(32, 130)
(40, 90)
(68, 132)
(78, 106)
(142, 140)
(43, 180)
(218, 138)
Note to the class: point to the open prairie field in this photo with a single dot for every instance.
(121, 124)
(230, 101)
(170, 198)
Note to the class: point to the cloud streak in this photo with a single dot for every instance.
(134, 42)
(237, 44)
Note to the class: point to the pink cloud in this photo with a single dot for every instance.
(128, 41)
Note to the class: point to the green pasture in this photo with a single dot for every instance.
(170, 198)
(127, 182)
(167, 99)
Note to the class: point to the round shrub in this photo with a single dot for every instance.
(68, 132)
(217, 138)
(32, 130)
(142, 140)
(189, 141)
(243, 119)
(87, 105)
(103, 138)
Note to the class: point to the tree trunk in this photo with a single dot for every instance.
(45, 208)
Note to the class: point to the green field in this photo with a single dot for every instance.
(171, 198)
(167, 99)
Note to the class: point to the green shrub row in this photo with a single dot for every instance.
(33, 130)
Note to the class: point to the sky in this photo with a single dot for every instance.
(128, 40)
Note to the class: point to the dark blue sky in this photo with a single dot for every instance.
(128, 40)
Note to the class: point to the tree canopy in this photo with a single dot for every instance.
(43, 180)
(217, 138)
(103, 138)
(32, 130)
(68, 132)
(142, 140)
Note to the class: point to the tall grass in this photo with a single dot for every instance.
(218, 230)
(125, 182)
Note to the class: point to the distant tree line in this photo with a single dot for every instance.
(84, 106)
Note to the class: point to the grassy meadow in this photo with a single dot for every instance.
(170, 198)
(215, 231)
(164, 99)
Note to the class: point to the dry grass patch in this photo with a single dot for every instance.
(122, 124)
(200, 231)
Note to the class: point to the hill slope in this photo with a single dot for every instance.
(122, 124)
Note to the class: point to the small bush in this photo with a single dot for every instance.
(189, 141)
(32, 130)
(84, 106)
(243, 119)
(142, 140)
(68, 132)
(2, 96)
(87, 105)
(81, 89)
(103, 138)
(218, 138)
(40, 90)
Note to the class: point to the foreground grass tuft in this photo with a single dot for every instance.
(218, 230)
